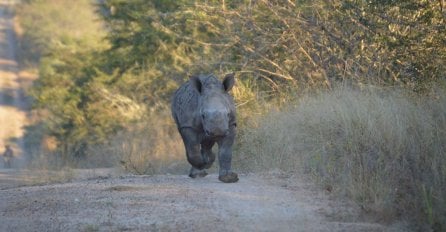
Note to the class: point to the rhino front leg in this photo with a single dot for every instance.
(193, 153)
(225, 158)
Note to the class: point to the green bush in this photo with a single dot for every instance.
(52, 24)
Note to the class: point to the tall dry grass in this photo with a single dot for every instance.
(385, 148)
(151, 147)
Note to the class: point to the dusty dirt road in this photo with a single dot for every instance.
(13, 102)
(262, 202)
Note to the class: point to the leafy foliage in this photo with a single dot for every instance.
(411, 35)
(282, 43)
(103, 77)
(49, 25)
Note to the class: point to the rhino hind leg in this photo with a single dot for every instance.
(194, 173)
(207, 154)
(208, 157)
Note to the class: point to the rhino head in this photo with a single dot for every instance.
(216, 106)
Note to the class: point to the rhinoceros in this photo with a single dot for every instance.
(204, 113)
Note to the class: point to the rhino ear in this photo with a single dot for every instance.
(196, 83)
(229, 81)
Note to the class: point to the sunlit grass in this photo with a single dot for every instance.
(385, 149)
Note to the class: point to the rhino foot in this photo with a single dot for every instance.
(208, 165)
(194, 173)
(229, 178)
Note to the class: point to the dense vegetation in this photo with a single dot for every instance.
(107, 70)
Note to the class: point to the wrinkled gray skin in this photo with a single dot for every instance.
(205, 114)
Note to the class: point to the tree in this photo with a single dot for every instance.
(277, 47)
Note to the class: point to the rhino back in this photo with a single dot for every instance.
(185, 106)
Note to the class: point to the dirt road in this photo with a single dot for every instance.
(261, 202)
(13, 103)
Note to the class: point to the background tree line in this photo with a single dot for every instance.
(128, 56)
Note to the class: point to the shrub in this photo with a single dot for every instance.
(49, 24)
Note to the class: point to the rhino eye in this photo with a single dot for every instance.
(203, 116)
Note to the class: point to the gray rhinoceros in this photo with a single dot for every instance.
(205, 114)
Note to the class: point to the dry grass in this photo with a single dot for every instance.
(151, 147)
(384, 148)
